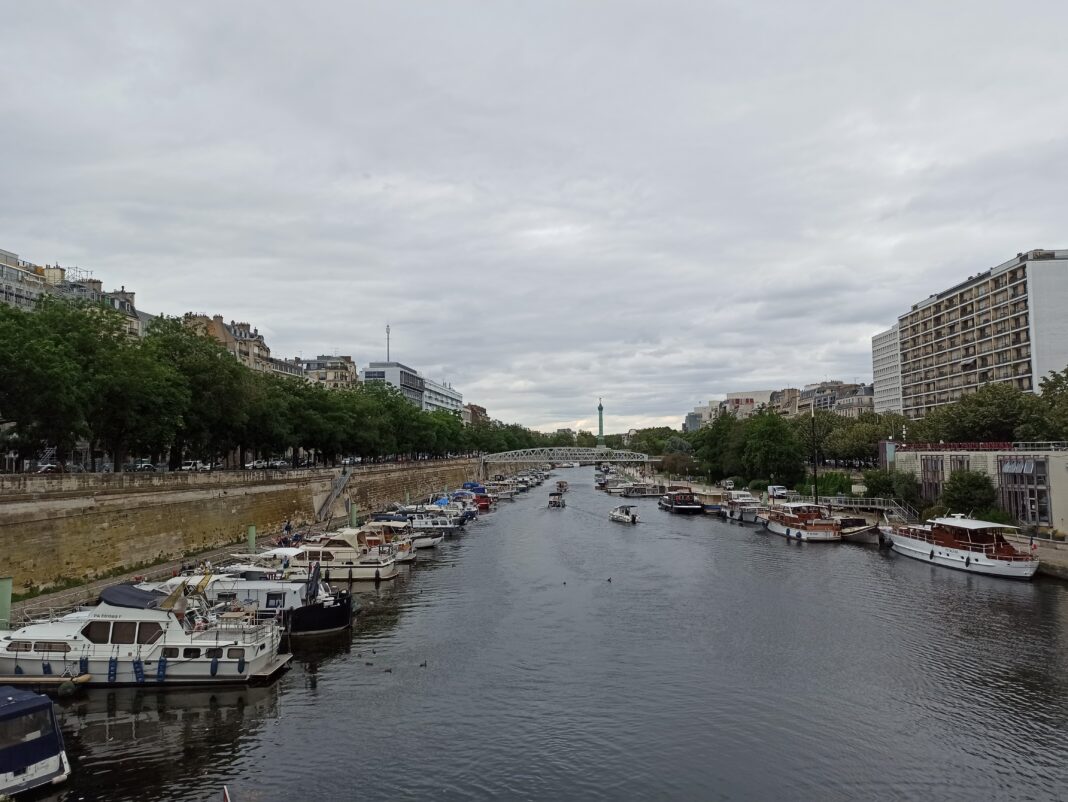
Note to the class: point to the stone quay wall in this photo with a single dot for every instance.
(55, 530)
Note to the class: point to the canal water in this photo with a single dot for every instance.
(552, 654)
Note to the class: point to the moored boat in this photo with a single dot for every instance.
(801, 521)
(741, 505)
(135, 637)
(32, 753)
(965, 544)
(680, 500)
(300, 607)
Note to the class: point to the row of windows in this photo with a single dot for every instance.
(190, 653)
(122, 632)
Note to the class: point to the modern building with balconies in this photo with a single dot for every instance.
(407, 380)
(886, 370)
(1003, 325)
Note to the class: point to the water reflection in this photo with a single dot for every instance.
(720, 662)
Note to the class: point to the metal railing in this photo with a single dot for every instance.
(899, 508)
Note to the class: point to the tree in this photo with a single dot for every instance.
(772, 449)
(968, 492)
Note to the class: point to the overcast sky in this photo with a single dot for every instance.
(654, 202)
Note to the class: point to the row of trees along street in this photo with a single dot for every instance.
(767, 448)
(70, 374)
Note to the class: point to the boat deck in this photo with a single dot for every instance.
(45, 681)
(268, 671)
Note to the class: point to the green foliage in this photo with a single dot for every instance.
(934, 511)
(771, 448)
(880, 483)
(652, 441)
(739, 481)
(831, 483)
(968, 492)
(995, 515)
(759, 485)
(907, 488)
(69, 371)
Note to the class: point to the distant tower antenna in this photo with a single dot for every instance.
(387, 342)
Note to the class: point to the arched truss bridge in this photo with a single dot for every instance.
(537, 456)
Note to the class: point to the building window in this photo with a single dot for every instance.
(1024, 489)
(932, 476)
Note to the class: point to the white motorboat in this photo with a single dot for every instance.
(556, 500)
(741, 505)
(343, 556)
(141, 637)
(624, 514)
(395, 533)
(32, 753)
(965, 544)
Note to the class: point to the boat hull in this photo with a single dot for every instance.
(51, 771)
(744, 514)
(319, 619)
(793, 533)
(868, 535)
(962, 560)
(425, 541)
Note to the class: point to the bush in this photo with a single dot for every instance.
(934, 511)
(739, 481)
(759, 485)
(996, 516)
(968, 492)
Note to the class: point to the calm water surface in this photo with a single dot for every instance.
(719, 663)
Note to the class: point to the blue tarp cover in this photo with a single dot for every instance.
(130, 596)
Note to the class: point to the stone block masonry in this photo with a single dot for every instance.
(56, 530)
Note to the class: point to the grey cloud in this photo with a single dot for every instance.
(549, 202)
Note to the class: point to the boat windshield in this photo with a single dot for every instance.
(27, 738)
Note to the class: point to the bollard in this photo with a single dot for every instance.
(5, 602)
(252, 538)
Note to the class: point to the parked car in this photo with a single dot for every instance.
(277, 463)
(776, 491)
(48, 467)
(144, 467)
(194, 465)
(256, 464)
(728, 484)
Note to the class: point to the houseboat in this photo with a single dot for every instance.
(680, 500)
(801, 521)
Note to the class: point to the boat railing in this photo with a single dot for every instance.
(902, 509)
(237, 627)
(45, 614)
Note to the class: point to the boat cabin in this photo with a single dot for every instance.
(31, 746)
(556, 499)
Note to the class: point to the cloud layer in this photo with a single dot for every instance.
(548, 202)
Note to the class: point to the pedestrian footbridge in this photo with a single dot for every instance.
(539, 456)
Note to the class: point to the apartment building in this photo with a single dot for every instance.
(1006, 324)
(242, 340)
(886, 370)
(336, 372)
(407, 380)
(441, 396)
(856, 403)
(20, 282)
(742, 405)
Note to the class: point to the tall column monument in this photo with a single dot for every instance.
(600, 424)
